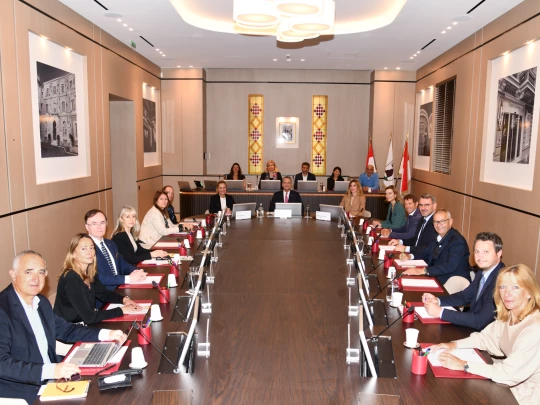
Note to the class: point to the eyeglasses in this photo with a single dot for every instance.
(94, 224)
(437, 223)
(67, 388)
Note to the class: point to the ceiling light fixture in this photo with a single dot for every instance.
(163, 55)
(529, 42)
(398, 68)
(190, 65)
(455, 23)
(119, 20)
(275, 60)
(302, 60)
(417, 51)
(414, 55)
(385, 68)
(293, 8)
(411, 57)
(178, 66)
(131, 29)
(443, 32)
(125, 25)
(157, 49)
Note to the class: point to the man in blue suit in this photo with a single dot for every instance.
(113, 270)
(446, 257)
(479, 294)
(29, 329)
(407, 231)
(285, 195)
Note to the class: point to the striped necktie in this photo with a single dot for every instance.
(108, 257)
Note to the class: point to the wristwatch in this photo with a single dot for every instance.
(466, 368)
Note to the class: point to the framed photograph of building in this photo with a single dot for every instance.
(60, 116)
(423, 130)
(151, 126)
(511, 119)
(287, 132)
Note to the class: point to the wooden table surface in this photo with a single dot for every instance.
(278, 330)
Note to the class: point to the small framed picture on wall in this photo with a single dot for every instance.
(287, 133)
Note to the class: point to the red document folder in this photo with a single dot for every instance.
(401, 268)
(95, 370)
(420, 289)
(129, 317)
(149, 285)
(441, 372)
(428, 320)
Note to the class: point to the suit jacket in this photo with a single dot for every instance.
(20, 359)
(125, 248)
(408, 230)
(153, 228)
(428, 236)
(264, 176)
(105, 274)
(294, 197)
(482, 311)
(215, 204)
(172, 215)
(298, 177)
(447, 258)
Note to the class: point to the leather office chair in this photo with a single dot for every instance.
(456, 284)
(367, 214)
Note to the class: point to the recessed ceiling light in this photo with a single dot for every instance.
(275, 60)
(385, 68)
(443, 32)
(157, 49)
(190, 65)
(178, 66)
(302, 60)
(529, 42)
(131, 29)
(119, 20)
(411, 57)
(448, 28)
(44, 37)
(68, 48)
(505, 53)
(417, 51)
(125, 25)
(414, 55)
(455, 23)
(398, 68)
(163, 55)
(160, 52)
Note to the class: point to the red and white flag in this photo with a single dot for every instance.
(370, 159)
(405, 169)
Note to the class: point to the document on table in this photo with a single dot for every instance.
(422, 313)
(147, 280)
(410, 263)
(419, 282)
(144, 308)
(386, 247)
(468, 355)
(156, 262)
(166, 245)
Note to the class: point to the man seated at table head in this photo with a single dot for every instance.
(285, 195)
(369, 180)
(447, 256)
(113, 270)
(425, 231)
(304, 175)
(479, 294)
(407, 231)
(29, 329)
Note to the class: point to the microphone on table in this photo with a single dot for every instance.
(171, 261)
(410, 310)
(138, 328)
(156, 285)
(382, 288)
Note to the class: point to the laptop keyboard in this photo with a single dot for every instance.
(97, 354)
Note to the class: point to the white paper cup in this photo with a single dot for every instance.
(176, 258)
(368, 230)
(391, 272)
(137, 356)
(171, 281)
(186, 244)
(361, 222)
(155, 313)
(381, 254)
(396, 299)
(199, 234)
(369, 190)
(411, 336)
(370, 241)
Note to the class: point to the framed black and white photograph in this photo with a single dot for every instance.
(287, 132)
(511, 119)
(425, 128)
(59, 111)
(149, 126)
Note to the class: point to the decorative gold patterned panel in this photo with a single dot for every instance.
(318, 149)
(255, 133)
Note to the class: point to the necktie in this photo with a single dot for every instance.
(286, 197)
(482, 282)
(421, 229)
(108, 257)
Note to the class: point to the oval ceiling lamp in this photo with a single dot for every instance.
(322, 24)
(294, 8)
(255, 13)
(285, 34)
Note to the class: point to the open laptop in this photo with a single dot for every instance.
(235, 185)
(95, 354)
(184, 186)
(307, 185)
(341, 186)
(273, 185)
(334, 210)
(296, 208)
(210, 184)
(244, 207)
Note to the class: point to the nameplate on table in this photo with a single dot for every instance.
(323, 216)
(243, 215)
(283, 213)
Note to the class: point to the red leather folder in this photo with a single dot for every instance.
(95, 370)
(427, 320)
(441, 372)
(142, 285)
(420, 289)
(401, 268)
(129, 317)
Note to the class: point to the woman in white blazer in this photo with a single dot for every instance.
(156, 222)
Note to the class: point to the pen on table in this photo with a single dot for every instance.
(427, 351)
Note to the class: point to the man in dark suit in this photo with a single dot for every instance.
(425, 232)
(113, 270)
(479, 294)
(285, 195)
(407, 231)
(305, 174)
(448, 256)
(29, 329)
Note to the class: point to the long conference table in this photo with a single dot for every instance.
(278, 331)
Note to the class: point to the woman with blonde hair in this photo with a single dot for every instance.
(514, 335)
(354, 202)
(126, 237)
(272, 173)
(78, 287)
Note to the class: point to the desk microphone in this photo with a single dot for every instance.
(382, 288)
(136, 326)
(171, 262)
(156, 285)
(410, 310)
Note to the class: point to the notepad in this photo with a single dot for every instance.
(468, 355)
(52, 393)
(422, 313)
(160, 245)
(144, 308)
(156, 262)
(420, 282)
(147, 280)
(386, 247)
(411, 263)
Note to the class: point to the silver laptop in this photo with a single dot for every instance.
(341, 186)
(210, 184)
(296, 208)
(273, 185)
(95, 354)
(235, 185)
(334, 210)
(184, 186)
(307, 185)
(244, 207)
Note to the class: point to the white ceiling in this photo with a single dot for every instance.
(419, 22)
